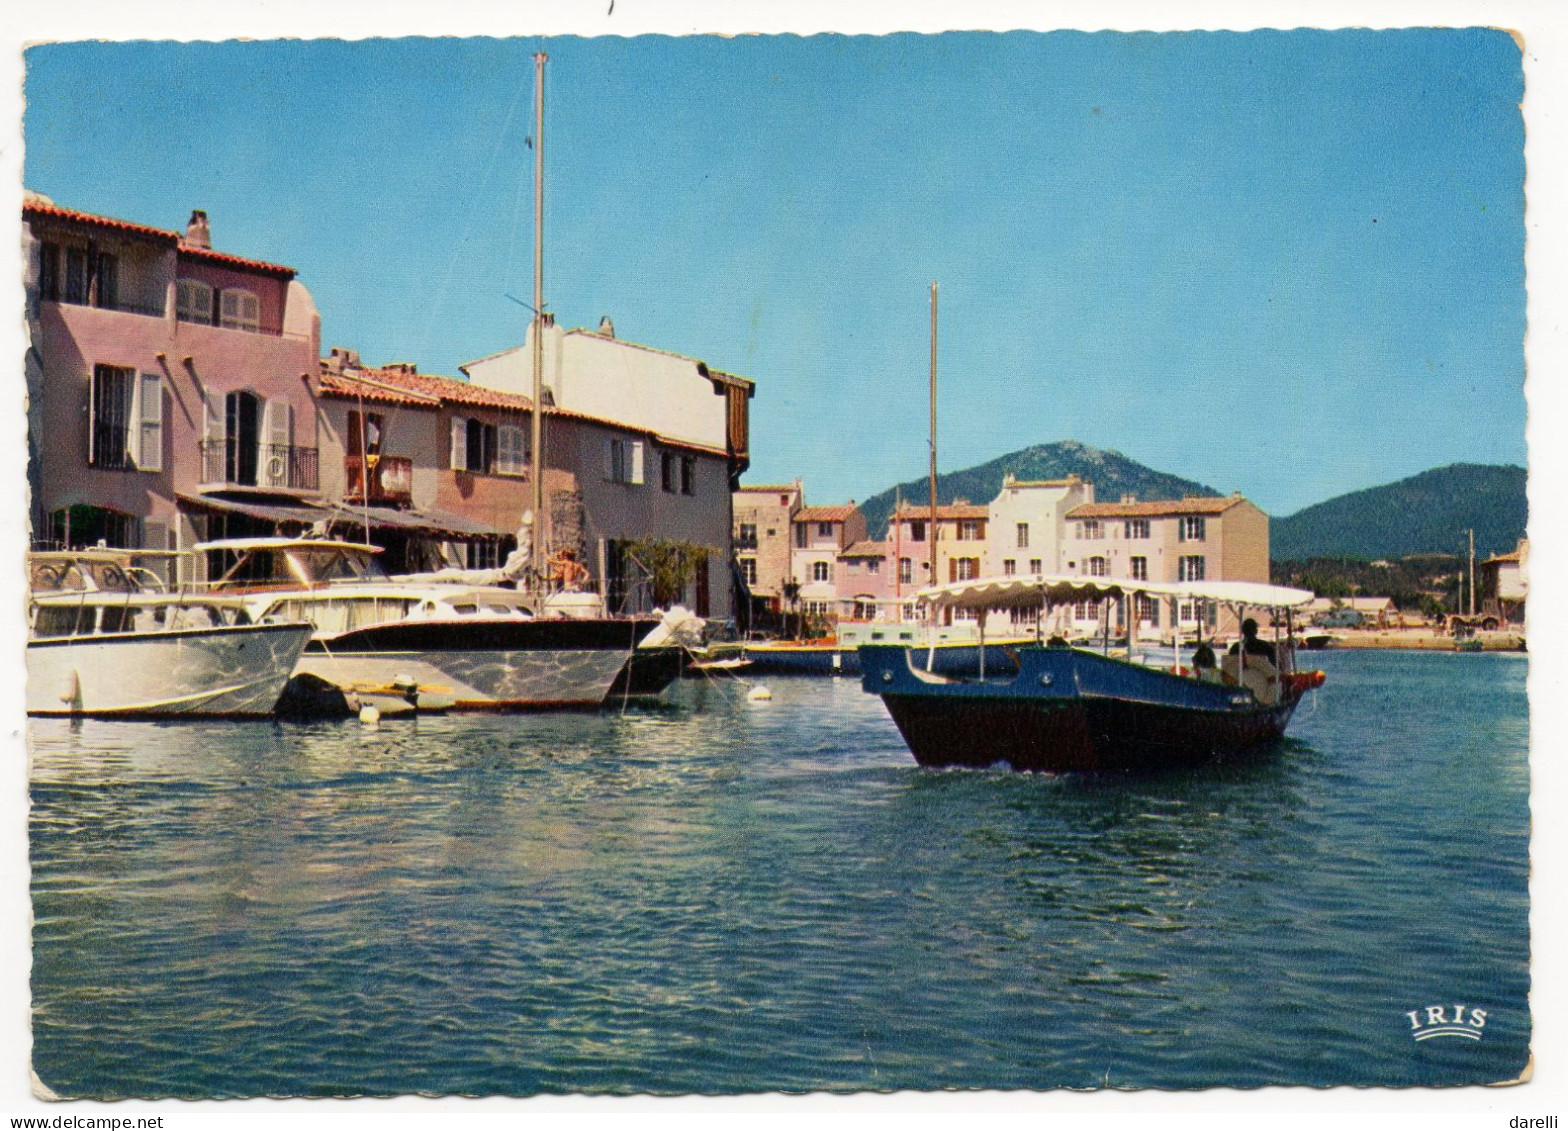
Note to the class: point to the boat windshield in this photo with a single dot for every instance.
(327, 564)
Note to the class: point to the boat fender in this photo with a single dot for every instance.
(71, 689)
(369, 715)
(759, 694)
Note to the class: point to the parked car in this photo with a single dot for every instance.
(1339, 618)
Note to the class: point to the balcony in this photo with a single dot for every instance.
(390, 480)
(237, 462)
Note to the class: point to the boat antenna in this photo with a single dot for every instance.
(536, 469)
(932, 535)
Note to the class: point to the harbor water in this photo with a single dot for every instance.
(715, 895)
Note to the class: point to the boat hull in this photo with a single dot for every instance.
(234, 670)
(648, 672)
(1072, 711)
(535, 664)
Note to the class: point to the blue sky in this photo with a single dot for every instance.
(1285, 263)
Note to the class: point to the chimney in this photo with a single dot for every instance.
(198, 233)
(341, 358)
(407, 368)
(1129, 498)
(606, 327)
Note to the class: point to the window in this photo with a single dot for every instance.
(624, 462)
(747, 538)
(1189, 568)
(193, 302)
(667, 471)
(873, 565)
(1191, 529)
(1009, 567)
(822, 571)
(971, 530)
(906, 571)
(239, 310)
(1149, 610)
(1137, 528)
(748, 570)
(1097, 567)
(688, 475)
(917, 530)
(824, 530)
(481, 444)
(1140, 569)
(511, 449)
(149, 439)
(1090, 529)
(963, 569)
(1086, 610)
(1034, 566)
(1023, 535)
(109, 416)
(800, 535)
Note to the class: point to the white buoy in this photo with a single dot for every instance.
(369, 715)
(759, 694)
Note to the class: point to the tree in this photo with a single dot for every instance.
(670, 565)
(791, 590)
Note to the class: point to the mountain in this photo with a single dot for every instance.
(1427, 513)
(1112, 473)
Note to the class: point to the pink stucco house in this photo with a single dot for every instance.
(168, 382)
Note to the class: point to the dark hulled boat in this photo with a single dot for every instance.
(1062, 709)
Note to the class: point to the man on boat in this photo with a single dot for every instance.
(1250, 645)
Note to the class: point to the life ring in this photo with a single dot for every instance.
(275, 468)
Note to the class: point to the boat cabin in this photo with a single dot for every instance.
(116, 614)
(292, 563)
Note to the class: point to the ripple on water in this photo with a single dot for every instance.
(722, 896)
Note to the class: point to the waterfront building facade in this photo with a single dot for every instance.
(1219, 538)
(865, 583)
(453, 461)
(820, 535)
(167, 382)
(1027, 524)
(961, 531)
(764, 514)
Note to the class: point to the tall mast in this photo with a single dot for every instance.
(932, 535)
(536, 469)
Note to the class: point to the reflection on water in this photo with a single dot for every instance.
(716, 895)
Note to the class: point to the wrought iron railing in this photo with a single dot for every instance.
(239, 463)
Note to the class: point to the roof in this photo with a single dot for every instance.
(159, 235)
(358, 386)
(398, 386)
(1207, 504)
(826, 514)
(865, 550)
(1056, 589)
(261, 266)
(768, 488)
(71, 215)
(434, 389)
(1069, 481)
(1500, 559)
(946, 511)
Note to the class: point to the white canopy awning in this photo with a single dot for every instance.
(1031, 591)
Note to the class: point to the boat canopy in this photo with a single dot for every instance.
(1028, 592)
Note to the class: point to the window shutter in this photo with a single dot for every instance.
(637, 461)
(149, 455)
(92, 414)
(459, 458)
(281, 420)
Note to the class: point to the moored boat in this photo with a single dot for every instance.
(124, 651)
(1062, 709)
(481, 646)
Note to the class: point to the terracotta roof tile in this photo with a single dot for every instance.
(1215, 504)
(947, 511)
(359, 387)
(448, 390)
(768, 488)
(55, 212)
(191, 251)
(865, 550)
(826, 514)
